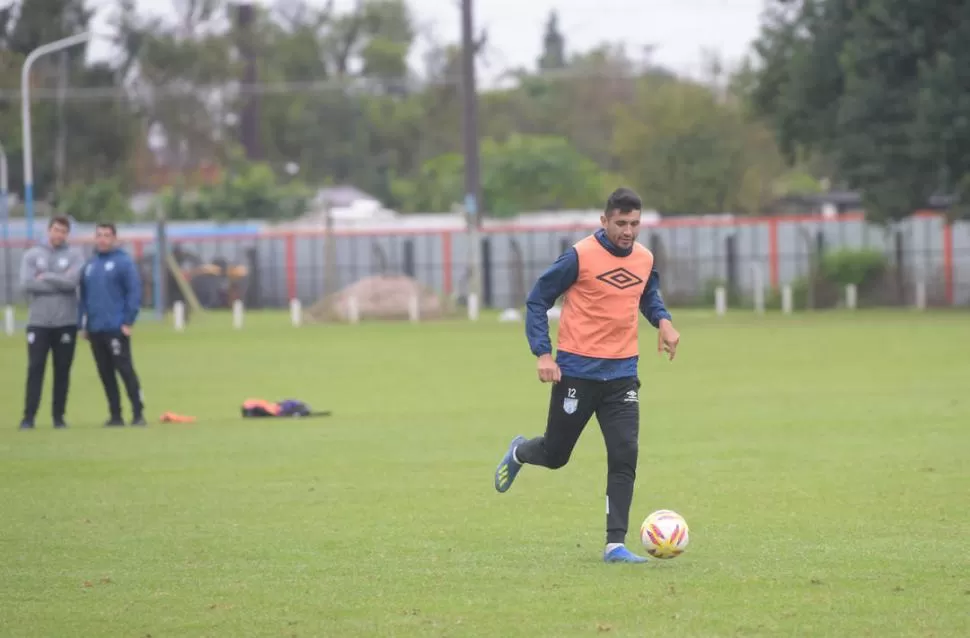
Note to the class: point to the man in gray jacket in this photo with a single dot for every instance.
(49, 277)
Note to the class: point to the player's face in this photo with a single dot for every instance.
(622, 228)
(104, 239)
(57, 234)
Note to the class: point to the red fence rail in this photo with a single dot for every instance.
(139, 243)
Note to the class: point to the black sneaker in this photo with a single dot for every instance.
(139, 421)
(27, 424)
(114, 423)
(60, 424)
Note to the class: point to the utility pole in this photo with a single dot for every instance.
(470, 114)
(5, 224)
(60, 151)
(473, 191)
(330, 275)
(249, 122)
(159, 267)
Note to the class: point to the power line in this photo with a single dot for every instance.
(234, 87)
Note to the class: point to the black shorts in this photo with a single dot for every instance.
(573, 402)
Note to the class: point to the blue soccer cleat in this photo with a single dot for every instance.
(508, 468)
(622, 555)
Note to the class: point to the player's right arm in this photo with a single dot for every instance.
(551, 285)
(30, 282)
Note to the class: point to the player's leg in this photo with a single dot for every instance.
(63, 343)
(125, 365)
(38, 345)
(101, 350)
(619, 417)
(571, 405)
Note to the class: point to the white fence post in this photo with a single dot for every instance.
(720, 300)
(237, 314)
(473, 307)
(787, 303)
(178, 311)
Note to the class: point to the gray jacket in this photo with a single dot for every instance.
(49, 277)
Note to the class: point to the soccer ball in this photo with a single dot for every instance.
(664, 534)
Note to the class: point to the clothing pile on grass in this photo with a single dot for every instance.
(290, 408)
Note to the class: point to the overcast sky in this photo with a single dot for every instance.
(677, 29)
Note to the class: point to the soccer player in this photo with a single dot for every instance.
(109, 305)
(49, 275)
(608, 279)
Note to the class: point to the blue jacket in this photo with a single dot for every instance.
(110, 292)
(552, 284)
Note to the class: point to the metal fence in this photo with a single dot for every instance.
(693, 256)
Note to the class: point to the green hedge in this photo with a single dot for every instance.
(859, 267)
(868, 269)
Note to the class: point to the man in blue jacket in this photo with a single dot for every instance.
(110, 298)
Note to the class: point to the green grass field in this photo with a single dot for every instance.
(822, 461)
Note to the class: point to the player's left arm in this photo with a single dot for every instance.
(69, 281)
(653, 308)
(82, 307)
(132, 292)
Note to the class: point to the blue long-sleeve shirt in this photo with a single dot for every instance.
(554, 283)
(110, 292)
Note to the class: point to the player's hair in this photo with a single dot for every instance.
(623, 200)
(109, 226)
(59, 220)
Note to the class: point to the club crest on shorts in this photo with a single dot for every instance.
(570, 403)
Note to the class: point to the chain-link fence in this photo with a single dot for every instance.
(694, 256)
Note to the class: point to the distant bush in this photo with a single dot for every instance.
(859, 267)
(868, 269)
(734, 298)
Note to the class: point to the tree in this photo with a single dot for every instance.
(879, 86)
(523, 173)
(103, 200)
(247, 190)
(335, 95)
(174, 71)
(553, 45)
(348, 130)
(689, 153)
(72, 140)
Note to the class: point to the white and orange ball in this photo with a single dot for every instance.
(664, 534)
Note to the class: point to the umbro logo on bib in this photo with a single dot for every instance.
(620, 278)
